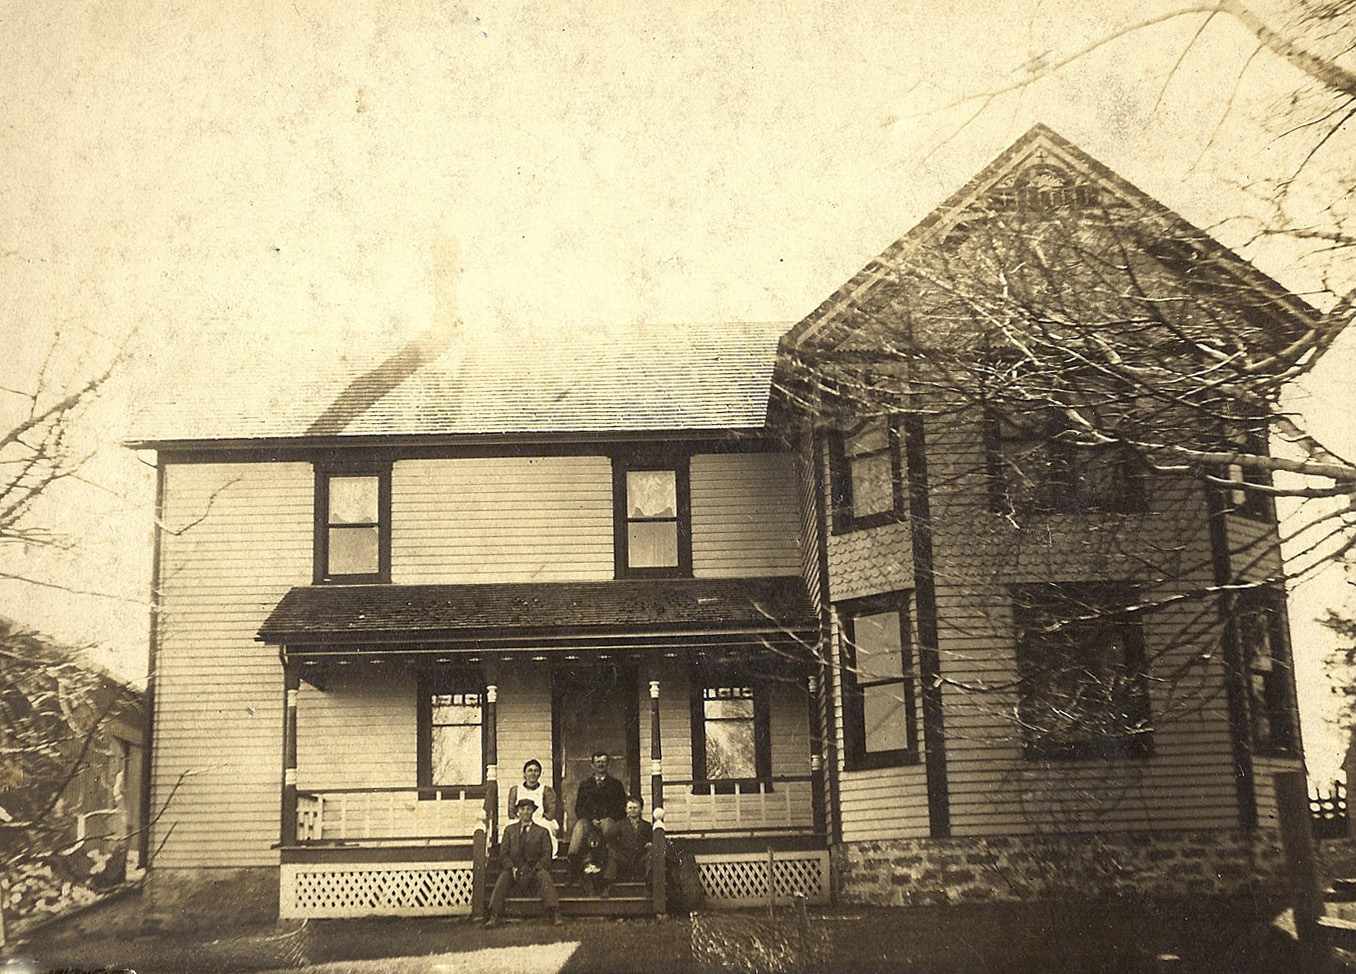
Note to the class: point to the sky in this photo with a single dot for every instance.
(194, 183)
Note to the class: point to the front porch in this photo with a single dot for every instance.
(393, 799)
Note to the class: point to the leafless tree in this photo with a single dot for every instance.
(1084, 358)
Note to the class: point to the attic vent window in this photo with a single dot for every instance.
(1043, 189)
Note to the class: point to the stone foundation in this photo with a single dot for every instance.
(915, 872)
(201, 898)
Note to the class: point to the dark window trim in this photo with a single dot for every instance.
(855, 754)
(699, 679)
(840, 479)
(1125, 747)
(1066, 459)
(620, 539)
(323, 473)
(1279, 690)
(429, 683)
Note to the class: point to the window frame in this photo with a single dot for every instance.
(842, 513)
(621, 519)
(1061, 493)
(1279, 694)
(855, 753)
(1133, 667)
(707, 677)
(323, 475)
(456, 681)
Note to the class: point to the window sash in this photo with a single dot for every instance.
(1082, 690)
(1035, 472)
(868, 475)
(1261, 638)
(879, 684)
(353, 525)
(451, 716)
(730, 730)
(652, 518)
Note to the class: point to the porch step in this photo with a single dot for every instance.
(623, 899)
(577, 906)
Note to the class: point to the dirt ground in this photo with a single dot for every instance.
(1234, 936)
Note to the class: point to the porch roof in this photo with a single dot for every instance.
(537, 615)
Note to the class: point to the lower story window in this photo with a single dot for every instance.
(879, 706)
(1261, 636)
(730, 729)
(1082, 691)
(451, 731)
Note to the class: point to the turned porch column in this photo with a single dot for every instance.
(816, 756)
(287, 831)
(492, 762)
(656, 753)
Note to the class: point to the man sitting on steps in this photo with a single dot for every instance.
(599, 804)
(526, 856)
(629, 857)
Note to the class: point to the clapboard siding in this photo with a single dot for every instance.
(523, 726)
(1254, 548)
(501, 519)
(745, 518)
(235, 538)
(805, 464)
(993, 788)
(359, 732)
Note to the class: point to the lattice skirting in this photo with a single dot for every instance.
(374, 889)
(740, 879)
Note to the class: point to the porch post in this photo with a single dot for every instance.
(656, 753)
(492, 763)
(287, 831)
(816, 756)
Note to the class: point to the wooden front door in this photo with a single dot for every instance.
(594, 709)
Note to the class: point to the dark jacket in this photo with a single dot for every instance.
(527, 848)
(630, 842)
(606, 800)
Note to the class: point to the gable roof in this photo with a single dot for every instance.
(643, 378)
(830, 324)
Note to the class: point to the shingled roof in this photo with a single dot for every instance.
(538, 614)
(640, 378)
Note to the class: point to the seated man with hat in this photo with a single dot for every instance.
(526, 858)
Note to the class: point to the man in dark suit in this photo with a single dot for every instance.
(629, 857)
(600, 804)
(526, 855)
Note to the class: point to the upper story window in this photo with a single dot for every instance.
(652, 519)
(879, 686)
(867, 475)
(1082, 691)
(1035, 469)
(451, 745)
(1266, 667)
(353, 525)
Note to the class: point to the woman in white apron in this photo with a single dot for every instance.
(547, 814)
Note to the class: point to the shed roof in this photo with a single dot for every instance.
(638, 378)
(530, 615)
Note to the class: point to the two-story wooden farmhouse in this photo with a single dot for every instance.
(888, 648)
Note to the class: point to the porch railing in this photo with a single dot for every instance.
(777, 804)
(382, 814)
